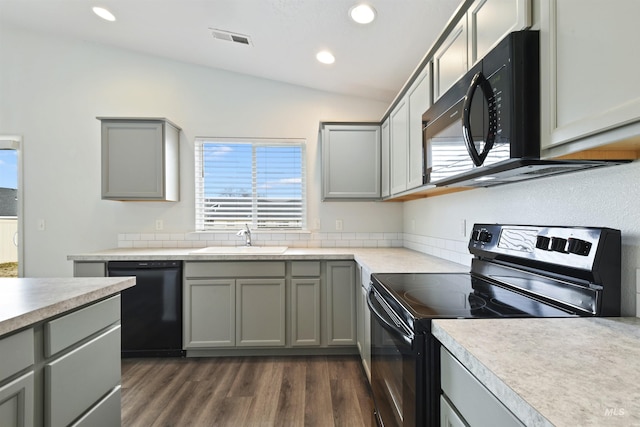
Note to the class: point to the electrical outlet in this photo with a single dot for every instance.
(316, 224)
(42, 225)
(339, 224)
(463, 227)
(159, 224)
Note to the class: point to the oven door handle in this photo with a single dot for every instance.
(393, 325)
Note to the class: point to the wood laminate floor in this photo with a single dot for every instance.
(321, 391)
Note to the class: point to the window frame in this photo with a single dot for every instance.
(254, 221)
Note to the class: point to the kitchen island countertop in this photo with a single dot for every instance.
(26, 301)
(378, 260)
(553, 372)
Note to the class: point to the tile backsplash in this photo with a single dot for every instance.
(451, 250)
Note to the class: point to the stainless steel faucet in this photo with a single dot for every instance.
(247, 235)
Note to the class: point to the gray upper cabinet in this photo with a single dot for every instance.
(419, 96)
(589, 69)
(406, 166)
(399, 142)
(489, 21)
(350, 161)
(385, 169)
(478, 31)
(140, 159)
(450, 61)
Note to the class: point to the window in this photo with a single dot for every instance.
(258, 182)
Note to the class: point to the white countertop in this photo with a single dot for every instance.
(24, 302)
(378, 260)
(553, 372)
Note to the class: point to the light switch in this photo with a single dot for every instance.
(42, 225)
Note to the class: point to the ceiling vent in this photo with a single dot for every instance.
(231, 37)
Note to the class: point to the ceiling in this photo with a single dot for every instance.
(373, 61)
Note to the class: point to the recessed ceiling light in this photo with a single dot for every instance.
(362, 13)
(104, 14)
(325, 57)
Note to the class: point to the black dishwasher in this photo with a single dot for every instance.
(152, 309)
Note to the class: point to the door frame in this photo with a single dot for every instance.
(14, 142)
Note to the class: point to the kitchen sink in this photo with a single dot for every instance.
(241, 250)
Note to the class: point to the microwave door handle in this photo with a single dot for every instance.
(479, 80)
(394, 326)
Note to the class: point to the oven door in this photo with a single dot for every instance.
(397, 365)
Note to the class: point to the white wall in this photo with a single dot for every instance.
(52, 89)
(600, 198)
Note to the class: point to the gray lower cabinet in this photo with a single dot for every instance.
(16, 402)
(16, 383)
(341, 303)
(234, 304)
(69, 365)
(364, 321)
(260, 312)
(269, 305)
(465, 401)
(304, 304)
(89, 269)
(209, 313)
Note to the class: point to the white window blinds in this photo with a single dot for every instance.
(257, 182)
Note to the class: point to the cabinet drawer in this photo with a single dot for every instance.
(98, 361)
(74, 327)
(16, 353)
(305, 268)
(234, 269)
(107, 413)
(473, 401)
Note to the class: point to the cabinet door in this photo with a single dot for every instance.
(588, 68)
(305, 312)
(209, 313)
(399, 146)
(351, 162)
(341, 303)
(419, 101)
(491, 20)
(260, 312)
(385, 158)
(450, 60)
(139, 160)
(16, 402)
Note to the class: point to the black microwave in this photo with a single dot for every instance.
(491, 115)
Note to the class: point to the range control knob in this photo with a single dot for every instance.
(485, 236)
(475, 235)
(558, 244)
(578, 247)
(543, 242)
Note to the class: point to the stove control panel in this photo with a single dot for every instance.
(574, 247)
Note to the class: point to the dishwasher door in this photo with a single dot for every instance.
(152, 309)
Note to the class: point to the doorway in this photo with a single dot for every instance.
(10, 207)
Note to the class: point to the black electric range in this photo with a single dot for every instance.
(516, 271)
